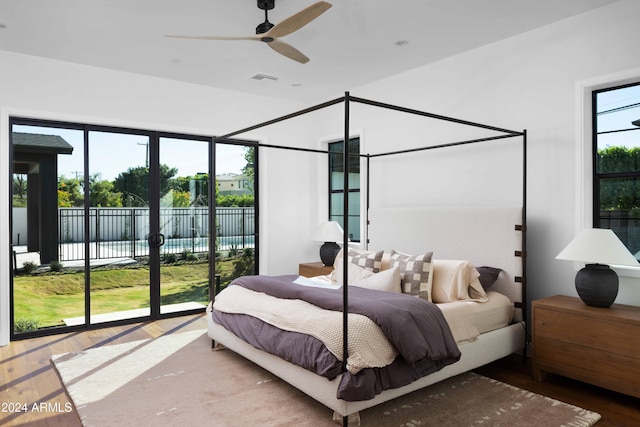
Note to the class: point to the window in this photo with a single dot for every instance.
(616, 162)
(336, 186)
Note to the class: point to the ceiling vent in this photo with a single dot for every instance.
(264, 77)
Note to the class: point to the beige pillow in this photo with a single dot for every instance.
(456, 280)
(388, 280)
(416, 273)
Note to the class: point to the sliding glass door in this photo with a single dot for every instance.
(108, 225)
(183, 224)
(119, 225)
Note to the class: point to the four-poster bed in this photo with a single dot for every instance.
(460, 241)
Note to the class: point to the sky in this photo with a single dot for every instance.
(619, 119)
(111, 154)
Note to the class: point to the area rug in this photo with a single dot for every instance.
(177, 380)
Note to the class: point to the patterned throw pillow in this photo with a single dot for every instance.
(416, 273)
(367, 260)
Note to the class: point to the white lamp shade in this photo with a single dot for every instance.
(598, 246)
(329, 231)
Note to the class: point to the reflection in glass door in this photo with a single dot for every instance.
(184, 224)
(119, 221)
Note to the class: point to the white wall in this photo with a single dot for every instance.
(40, 88)
(528, 82)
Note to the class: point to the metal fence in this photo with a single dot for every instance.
(122, 232)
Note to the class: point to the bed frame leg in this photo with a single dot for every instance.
(216, 346)
(353, 420)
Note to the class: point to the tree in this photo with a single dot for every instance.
(70, 192)
(134, 184)
(19, 190)
(196, 187)
(618, 159)
(249, 169)
(181, 199)
(64, 200)
(235, 200)
(619, 193)
(101, 193)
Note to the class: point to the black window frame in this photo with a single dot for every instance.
(615, 219)
(335, 164)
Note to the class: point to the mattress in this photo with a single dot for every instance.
(493, 314)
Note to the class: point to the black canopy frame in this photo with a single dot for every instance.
(346, 100)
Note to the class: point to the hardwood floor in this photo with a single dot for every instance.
(28, 377)
(616, 409)
(29, 381)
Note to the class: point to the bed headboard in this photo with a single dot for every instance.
(484, 236)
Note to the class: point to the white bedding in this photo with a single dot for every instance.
(368, 346)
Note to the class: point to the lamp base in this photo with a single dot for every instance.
(328, 252)
(597, 285)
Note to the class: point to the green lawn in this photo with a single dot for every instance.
(45, 299)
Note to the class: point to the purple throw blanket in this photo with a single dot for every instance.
(416, 328)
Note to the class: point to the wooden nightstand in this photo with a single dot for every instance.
(600, 346)
(311, 269)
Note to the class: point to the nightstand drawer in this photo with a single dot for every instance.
(590, 332)
(599, 367)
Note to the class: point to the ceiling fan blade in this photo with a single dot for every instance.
(299, 20)
(288, 51)
(214, 37)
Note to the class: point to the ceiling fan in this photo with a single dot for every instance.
(270, 33)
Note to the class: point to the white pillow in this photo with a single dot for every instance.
(456, 280)
(387, 280)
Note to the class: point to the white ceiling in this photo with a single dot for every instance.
(352, 44)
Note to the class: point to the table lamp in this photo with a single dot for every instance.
(596, 283)
(329, 232)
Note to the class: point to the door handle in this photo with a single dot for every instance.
(155, 239)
